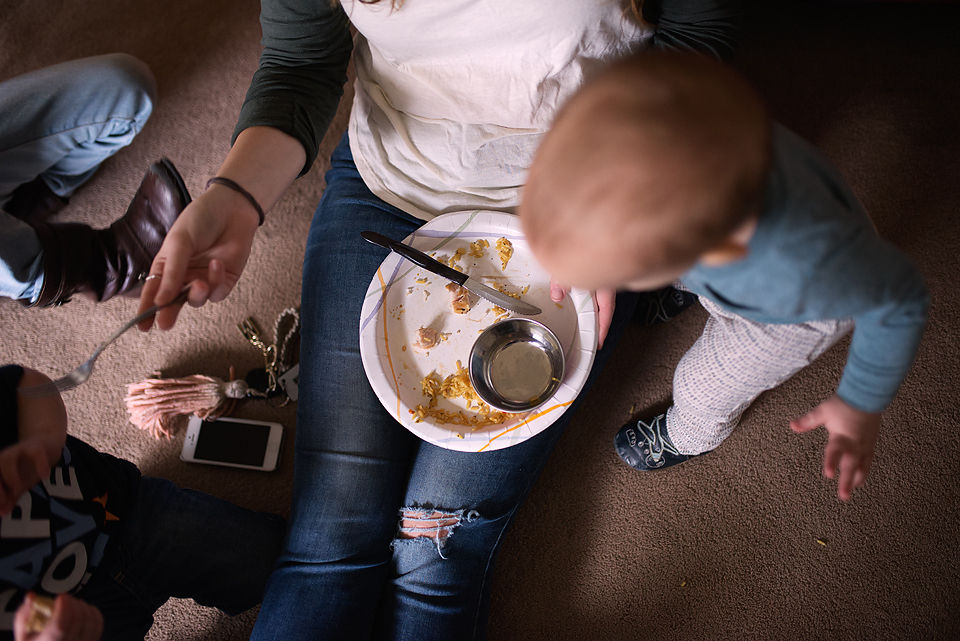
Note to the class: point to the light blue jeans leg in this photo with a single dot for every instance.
(60, 123)
(21, 259)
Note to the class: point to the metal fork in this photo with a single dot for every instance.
(82, 373)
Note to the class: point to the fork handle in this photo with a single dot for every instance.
(182, 296)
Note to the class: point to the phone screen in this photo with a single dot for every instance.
(238, 443)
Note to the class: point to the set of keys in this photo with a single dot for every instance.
(277, 376)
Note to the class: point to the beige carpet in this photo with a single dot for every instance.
(747, 542)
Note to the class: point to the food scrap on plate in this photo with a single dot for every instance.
(426, 337)
(505, 247)
(455, 386)
(460, 304)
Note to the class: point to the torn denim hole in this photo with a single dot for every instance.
(434, 524)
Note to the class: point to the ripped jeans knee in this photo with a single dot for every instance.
(436, 525)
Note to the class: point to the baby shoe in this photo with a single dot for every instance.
(646, 446)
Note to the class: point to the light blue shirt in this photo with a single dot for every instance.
(815, 255)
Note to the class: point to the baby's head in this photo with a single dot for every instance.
(655, 164)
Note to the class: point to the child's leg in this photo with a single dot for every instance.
(185, 544)
(733, 362)
(58, 124)
(62, 121)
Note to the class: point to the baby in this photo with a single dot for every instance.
(665, 169)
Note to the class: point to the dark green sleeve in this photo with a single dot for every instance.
(303, 67)
(710, 27)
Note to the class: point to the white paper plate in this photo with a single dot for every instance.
(396, 305)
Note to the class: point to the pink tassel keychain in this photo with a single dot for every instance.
(155, 403)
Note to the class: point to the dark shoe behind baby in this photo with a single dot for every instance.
(114, 261)
(661, 305)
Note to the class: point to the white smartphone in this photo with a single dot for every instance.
(233, 442)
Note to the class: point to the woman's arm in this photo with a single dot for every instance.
(209, 244)
(711, 27)
(307, 47)
(290, 103)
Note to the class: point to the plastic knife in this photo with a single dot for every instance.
(417, 257)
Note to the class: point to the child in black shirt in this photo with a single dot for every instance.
(76, 521)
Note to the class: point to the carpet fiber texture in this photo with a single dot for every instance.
(748, 541)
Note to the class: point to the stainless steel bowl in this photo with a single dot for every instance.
(516, 365)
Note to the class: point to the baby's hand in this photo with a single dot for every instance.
(853, 436)
(42, 430)
(22, 466)
(606, 300)
(71, 620)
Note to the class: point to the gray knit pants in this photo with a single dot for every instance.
(733, 362)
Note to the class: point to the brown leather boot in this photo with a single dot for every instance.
(34, 202)
(102, 263)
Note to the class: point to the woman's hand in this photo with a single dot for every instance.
(605, 299)
(208, 245)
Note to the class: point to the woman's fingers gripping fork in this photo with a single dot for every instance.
(203, 248)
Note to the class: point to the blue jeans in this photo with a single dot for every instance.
(344, 573)
(60, 123)
(184, 544)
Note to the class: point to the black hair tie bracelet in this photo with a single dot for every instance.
(226, 182)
